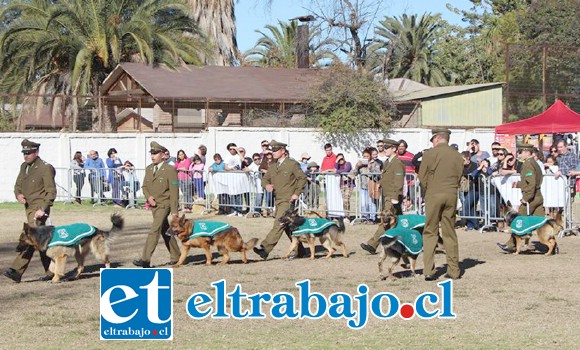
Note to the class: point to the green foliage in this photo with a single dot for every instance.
(407, 43)
(347, 102)
(70, 46)
(278, 48)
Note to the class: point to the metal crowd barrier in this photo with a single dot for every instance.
(571, 210)
(555, 191)
(472, 196)
(120, 186)
(238, 193)
(357, 198)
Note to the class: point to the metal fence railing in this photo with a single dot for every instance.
(355, 197)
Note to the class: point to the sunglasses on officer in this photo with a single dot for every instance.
(274, 149)
(26, 153)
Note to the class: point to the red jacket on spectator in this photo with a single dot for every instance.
(328, 162)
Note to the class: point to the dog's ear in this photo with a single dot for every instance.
(509, 204)
(393, 220)
(25, 227)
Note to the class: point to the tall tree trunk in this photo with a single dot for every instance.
(217, 21)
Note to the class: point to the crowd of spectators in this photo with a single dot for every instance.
(363, 176)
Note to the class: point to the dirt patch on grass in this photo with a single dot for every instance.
(503, 301)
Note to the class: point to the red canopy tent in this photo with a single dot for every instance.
(558, 118)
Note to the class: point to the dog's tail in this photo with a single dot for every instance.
(249, 245)
(118, 224)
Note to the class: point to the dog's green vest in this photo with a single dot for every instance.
(410, 239)
(313, 226)
(208, 228)
(524, 225)
(411, 221)
(70, 235)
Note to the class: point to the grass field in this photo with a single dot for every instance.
(502, 301)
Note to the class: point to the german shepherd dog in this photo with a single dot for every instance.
(226, 241)
(547, 233)
(98, 243)
(328, 237)
(392, 248)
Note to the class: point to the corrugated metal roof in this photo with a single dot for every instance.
(218, 83)
(439, 91)
(404, 85)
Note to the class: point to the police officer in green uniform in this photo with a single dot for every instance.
(161, 189)
(439, 176)
(392, 182)
(36, 189)
(532, 202)
(287, 181)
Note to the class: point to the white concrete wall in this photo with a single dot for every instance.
(58, 148)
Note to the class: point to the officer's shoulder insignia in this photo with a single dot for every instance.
(529, 173)
(399, 174)
(175, 183)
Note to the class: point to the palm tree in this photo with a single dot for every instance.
(278, 48)
(406, 45)
(217, 20)
(70, 46)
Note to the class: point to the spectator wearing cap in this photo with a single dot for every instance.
(36, 189)
(161, 189)
(287, 180)
(96, 168)
(440, 174)
(115, 166)
(532, 202)
(329, 160)
(477, 155)
(304, 161)
(313, 186)
(392, 183)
